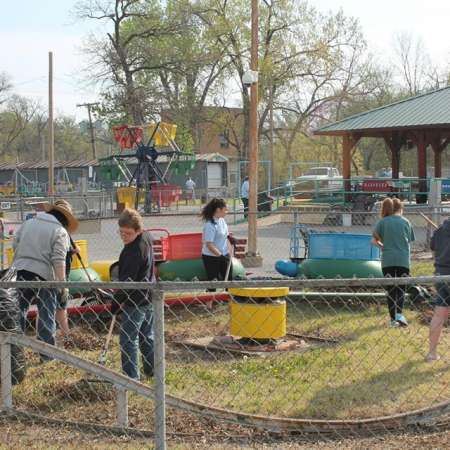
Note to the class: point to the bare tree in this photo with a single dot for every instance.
(225, 21)
(412, 62)
(14, 120)
(5, 87)
(332, 71)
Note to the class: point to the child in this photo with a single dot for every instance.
(136, 263)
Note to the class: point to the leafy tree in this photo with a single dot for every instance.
(117, 62)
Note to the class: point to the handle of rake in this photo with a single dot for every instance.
(102, 357)
(81, 260)
(230, 262)
(227, 275)
(429, 220)
(97, 296)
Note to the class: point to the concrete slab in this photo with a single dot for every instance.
(230, 344)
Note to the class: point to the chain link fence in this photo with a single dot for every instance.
(226, 360)
(289, 357)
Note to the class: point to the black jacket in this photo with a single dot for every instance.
(136, 263)
(440, 244)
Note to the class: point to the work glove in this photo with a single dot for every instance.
(63, 298)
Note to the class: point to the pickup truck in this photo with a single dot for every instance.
(328, 177)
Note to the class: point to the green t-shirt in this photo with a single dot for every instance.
(396, 233)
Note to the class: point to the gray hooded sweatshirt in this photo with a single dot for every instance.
(40, 244)
(440, 245)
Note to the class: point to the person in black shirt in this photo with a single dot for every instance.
(136, 263)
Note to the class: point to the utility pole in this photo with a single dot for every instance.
(43, 152)
(271, 130)
(91, 126)
(51, 137)
(253, 139)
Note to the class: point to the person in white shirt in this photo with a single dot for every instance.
(215, 252)
(190, 189)
(244, 195)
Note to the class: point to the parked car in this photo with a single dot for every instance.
(328, 177)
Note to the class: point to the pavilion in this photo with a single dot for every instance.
(422, 121)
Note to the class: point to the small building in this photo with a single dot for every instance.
(208, 171)
(68, 175)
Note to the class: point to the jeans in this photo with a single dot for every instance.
(46, 304)
(136, 329)
(396, 294)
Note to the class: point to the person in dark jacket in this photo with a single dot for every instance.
(136, 263)
(440, 245)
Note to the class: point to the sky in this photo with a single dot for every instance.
(29, 29)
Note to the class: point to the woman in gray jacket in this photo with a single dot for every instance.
(40, 248)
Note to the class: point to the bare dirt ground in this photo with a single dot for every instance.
(16, 435)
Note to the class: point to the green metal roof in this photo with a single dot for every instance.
(422, 111)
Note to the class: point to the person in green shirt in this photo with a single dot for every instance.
(393, 234)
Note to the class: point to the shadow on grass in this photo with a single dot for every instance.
(368, 394)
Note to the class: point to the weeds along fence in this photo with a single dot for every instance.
(309, 357)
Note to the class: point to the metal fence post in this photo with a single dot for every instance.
(159, 375)
(122, 407)
(6, 392)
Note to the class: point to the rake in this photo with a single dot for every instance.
(104, 352)
(102, 357)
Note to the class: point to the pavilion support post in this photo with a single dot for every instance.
(394, 143)
(395, 159)
(437, 163)
(348, 143)
(438, 147)
(422, 144)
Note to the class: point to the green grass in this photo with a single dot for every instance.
(372, 371)
(422, 268)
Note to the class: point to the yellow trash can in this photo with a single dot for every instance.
(258, 313)
(82, 244)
